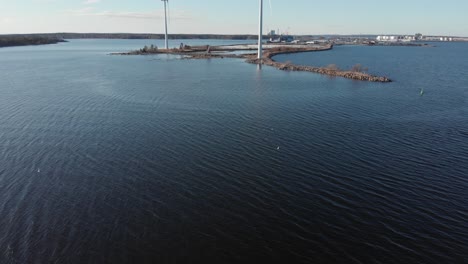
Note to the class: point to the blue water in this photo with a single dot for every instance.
(156, 159)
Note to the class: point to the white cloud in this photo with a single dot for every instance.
(90, 2)
(157, 14)
(81, 11)
(44, 1)
(5, 20)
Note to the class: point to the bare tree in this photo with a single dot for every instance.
(358, 68)
(332, 67)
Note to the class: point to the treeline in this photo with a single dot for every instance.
(140, 36)
(53, 38)
(25, 40)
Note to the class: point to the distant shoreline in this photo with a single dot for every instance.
(319, 37)
(136, 36)
(12, 40)
(22, 40)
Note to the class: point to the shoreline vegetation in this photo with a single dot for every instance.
(15, 40)
(357, 72)
(27, 40)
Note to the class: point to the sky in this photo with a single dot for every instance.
(298, 17)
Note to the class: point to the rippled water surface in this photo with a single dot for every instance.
(121, 159)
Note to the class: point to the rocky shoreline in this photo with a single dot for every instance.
(355, 75)
(207, 52)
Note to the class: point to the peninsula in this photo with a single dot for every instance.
(25, 40)
(228, 51)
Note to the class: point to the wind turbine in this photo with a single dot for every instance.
(165, 23)
(260, 30)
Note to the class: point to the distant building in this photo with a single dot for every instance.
(287, 38)
(446, 39)
(283, 38)
(408, 38)
(395, 38)
(387, 38)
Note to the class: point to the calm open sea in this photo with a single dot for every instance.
(134, 159)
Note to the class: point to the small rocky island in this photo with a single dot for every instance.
(357, 72)
(26, 40)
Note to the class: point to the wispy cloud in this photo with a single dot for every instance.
(44, 1)
(90, 2)
(156, 14)
(6, 20)
(81, 11)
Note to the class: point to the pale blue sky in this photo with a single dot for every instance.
(448, 17)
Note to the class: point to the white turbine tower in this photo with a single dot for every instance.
(260, 30)
(165, 24)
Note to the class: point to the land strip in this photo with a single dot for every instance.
(208, 52)
(355, 74)
(23, 40)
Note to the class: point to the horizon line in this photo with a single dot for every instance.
(224, 34)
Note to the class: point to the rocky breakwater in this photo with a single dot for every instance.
(357, 73)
